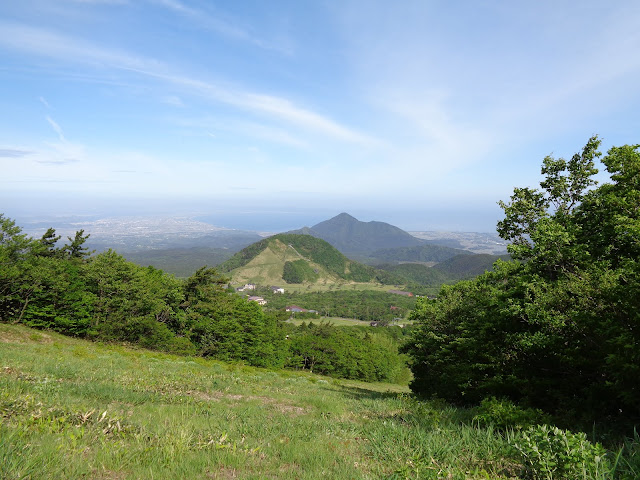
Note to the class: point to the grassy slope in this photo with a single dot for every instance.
(338, 321)
(72, 409)
(266, 267)
(263, 263)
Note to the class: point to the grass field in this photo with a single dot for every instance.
(72, 409)
(338, 321)
(266, 269)
(321, 286)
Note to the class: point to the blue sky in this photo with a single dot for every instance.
(423, 114)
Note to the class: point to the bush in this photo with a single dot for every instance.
(503, 414)
(298, 271)
(551, 453)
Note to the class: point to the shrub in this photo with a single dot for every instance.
(550, 453)
(503, 414)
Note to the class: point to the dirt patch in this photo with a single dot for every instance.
(20, 335)
(216, 396)
(282, 407)
(224, 472)
(108, 475)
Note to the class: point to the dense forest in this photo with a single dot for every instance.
(557, 328)
(366, 305)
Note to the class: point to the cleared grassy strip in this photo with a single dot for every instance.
(73, 409)
(320, 286)
(339, 321)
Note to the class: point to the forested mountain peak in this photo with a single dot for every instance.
(353, 237)
(296, 258)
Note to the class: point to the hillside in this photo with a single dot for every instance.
(417, 254)
(468, 266)
(418, 274)
(74, 409)
(353, 237)
(181, 262)
(295, 258)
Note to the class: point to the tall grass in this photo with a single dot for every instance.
(72, 409)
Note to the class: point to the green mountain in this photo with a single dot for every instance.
(355, 238)
(418, 274)
(181, 262)
(468, 266)
(295, 258)
(418, 254)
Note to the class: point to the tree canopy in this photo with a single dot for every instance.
(558, 328)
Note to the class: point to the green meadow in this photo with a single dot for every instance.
(74, 409)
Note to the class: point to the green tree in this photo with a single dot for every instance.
(75, 248)
(133, 303)
(48, 243)
(556, 329)
(16, 263)
(226, 326)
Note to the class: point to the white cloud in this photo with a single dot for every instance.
(45, 43)
(229, 28)
(8, 152)
(173, 100)
(56, 128)
(31, 40)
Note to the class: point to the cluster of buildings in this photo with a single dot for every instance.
(255, 298)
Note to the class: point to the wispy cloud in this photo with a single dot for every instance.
(101, 2)
(173, 100)
(63, 48)
(14, 153)
(228, 28)
(286, 110)
(56, 128)
(44, 102)
(27, 39)
(65, 161)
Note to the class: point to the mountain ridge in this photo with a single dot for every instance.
(296, 258)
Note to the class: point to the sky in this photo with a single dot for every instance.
(423, 114)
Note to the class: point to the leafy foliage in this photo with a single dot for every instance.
(342, 352)
(420, 253)
(181, 262)
(551, 453)
(298, 271)
(365, 305)
(504, 414)
(416, 273)
(468, 266)
(558, 329)
(105, 297)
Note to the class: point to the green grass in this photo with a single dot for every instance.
(339, 321)
(72, 409)
(266, 267)
(333, 287)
